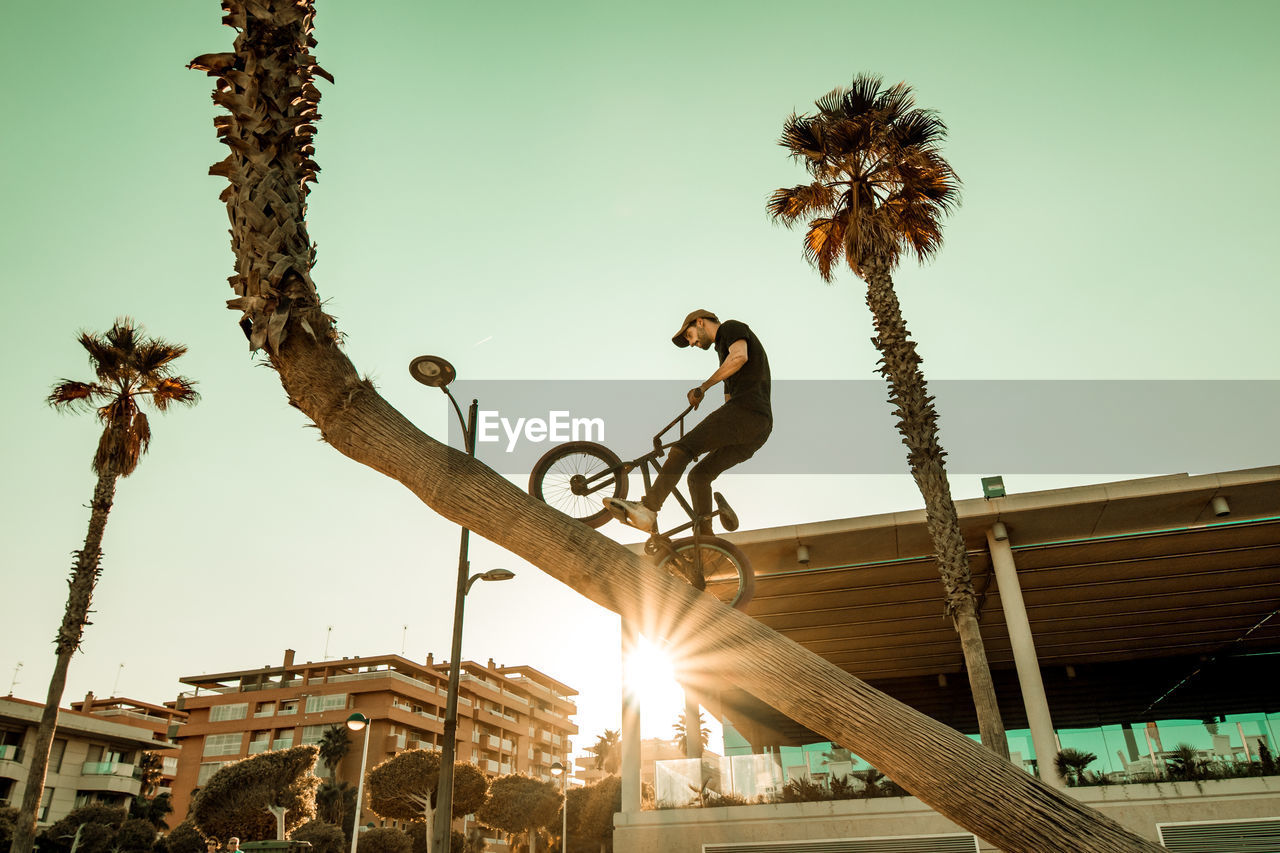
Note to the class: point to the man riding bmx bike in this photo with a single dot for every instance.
(728, 436)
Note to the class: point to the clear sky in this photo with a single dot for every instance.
(541, 191)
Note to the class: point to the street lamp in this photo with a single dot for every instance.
(444, 789)
(558, 769)
(436, 372)
(359, 722)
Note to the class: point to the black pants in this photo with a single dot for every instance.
(729, 435)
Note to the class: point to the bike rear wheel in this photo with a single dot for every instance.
(575, 478)
(726, 570)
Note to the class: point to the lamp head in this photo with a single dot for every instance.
(498, 575)
(432, 370)
(357, 721)
(557, 769)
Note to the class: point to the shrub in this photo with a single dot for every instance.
(324, 837)
(385, 839)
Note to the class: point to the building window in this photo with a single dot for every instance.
(218, 713)
(45, 799)
(312, 734)
(283, 740)
(6, 791)
(56, 751)
(290, 707)
(207, 769)
(264, 709)
(327, 702)
(227, 744)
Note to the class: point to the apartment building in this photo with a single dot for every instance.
(91, 761)
(160, 720)
(511, 719)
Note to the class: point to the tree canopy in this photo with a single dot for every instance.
(404, 787)
(520, 804)
(323, 837)
(591, 811)
(385, 839)
(185, 838)
(235, 800)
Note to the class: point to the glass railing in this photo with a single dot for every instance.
(105, 768)
(1166, 750)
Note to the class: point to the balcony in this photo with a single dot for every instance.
(396, 742)
(258, 746)
(106, 768)
(282, 743)
(108, 776)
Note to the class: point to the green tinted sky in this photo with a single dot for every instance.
(498, 181)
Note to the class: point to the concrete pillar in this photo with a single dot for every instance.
(692, 726)
(1024, 657)
(630, 726)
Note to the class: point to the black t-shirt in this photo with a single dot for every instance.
(749, 387)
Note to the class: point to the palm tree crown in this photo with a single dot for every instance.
(128, 367)
(880, 184)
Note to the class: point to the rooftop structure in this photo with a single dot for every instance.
(1148, 610)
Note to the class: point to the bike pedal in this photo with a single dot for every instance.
(728, 518)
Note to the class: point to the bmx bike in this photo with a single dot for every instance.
(576, 477)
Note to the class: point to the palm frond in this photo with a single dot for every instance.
(919, 128)
(73, 395)
(799, 138)
(174, 389)
(862, 95)
(153, 354)
(106, 359)
(824, 245)
(789, 204)
(833, 101)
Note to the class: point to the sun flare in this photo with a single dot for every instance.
(649, 675)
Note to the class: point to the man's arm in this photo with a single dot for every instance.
(732, 364)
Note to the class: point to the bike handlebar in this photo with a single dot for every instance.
(679, 419)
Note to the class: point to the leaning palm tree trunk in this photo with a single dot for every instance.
(74, 620)
(918, 424)
(267, 87)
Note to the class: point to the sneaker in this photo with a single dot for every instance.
(634, 513)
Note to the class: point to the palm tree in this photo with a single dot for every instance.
(150, 770)
(128, 369)
(681, 732)
(608, 752)
(267, 86)
(1071, 764)
(334, 744)
(880, 187)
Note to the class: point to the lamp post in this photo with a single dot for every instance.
(559, 769)
(436, 372)
(359, 722)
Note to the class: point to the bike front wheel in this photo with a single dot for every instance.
(726, 570)
(575, 478)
